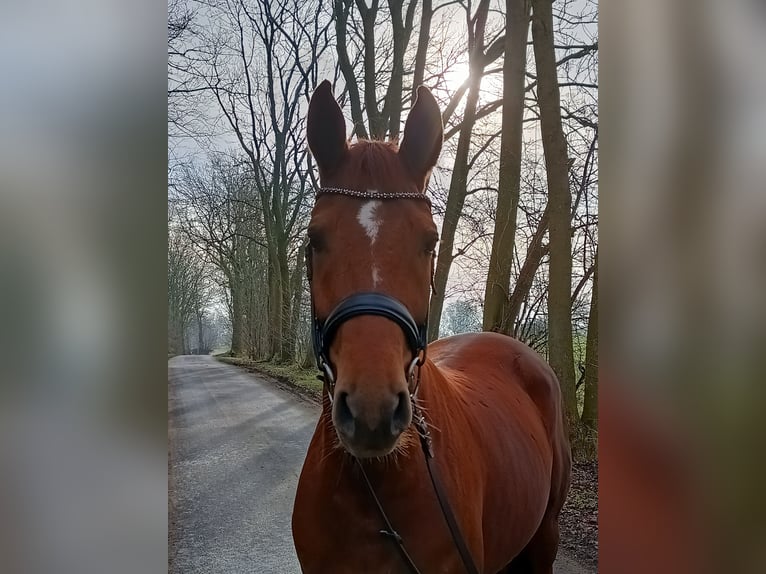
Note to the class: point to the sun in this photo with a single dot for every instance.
(456, 75)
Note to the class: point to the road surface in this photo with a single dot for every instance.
(236, 447)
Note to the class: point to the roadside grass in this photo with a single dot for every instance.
(303, 381)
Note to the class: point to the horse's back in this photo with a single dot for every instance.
(512, 394)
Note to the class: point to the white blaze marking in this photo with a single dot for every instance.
(367, 219)
(371, 225)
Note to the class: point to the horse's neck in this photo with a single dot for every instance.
(433, 390)
(436, 397)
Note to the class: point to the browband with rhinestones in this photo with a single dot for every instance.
(373, 194)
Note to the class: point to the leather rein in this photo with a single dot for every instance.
(369, 303)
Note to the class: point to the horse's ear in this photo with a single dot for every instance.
(326, 129)
(423, 135)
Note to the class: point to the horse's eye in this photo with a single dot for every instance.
(316, 239)
(429, 244)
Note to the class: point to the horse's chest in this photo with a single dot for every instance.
(379, 554)
(345, 531)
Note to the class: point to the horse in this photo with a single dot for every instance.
(446, 457)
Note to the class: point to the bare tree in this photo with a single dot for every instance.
(188, 292)
(382, 70)
(424, 36)
(478, 57)
(560, 353)
(496, 300)
(590, 403)
(182, 88)
(218, 212)
(259, 65)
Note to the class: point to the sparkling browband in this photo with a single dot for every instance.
(373, 194)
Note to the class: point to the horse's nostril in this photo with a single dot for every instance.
(402, 414)
(344, 418)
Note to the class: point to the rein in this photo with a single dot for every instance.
(441, 496)
(323, 332)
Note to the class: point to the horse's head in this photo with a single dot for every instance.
(386, 246)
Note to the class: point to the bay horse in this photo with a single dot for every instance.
(419, 450)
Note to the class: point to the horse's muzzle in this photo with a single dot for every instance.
(371, 430)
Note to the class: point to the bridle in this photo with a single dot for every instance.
(382, 305)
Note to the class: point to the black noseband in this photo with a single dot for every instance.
(366, 304)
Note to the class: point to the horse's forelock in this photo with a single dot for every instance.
(376, 164)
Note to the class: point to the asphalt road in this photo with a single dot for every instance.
(236, 447)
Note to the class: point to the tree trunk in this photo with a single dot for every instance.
(296, 289)
(237, 326)
(393, 107)
(200, 336)
(178, 336)
(275, 305)
(377, 122)
(184, 339)
(496, 300)
(559, 203)
(256, 319)
(401, 24)
(535, 253)
(341, 11)
(285, 341)
(459, 182)
(308, 357)
(424, 36)
(590, 405)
